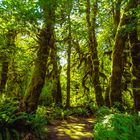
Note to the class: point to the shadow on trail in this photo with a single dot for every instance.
(71, 129)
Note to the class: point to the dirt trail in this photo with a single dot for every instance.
(71, 129)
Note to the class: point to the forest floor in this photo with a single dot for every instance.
(73, 128)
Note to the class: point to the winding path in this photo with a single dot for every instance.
(74, 128)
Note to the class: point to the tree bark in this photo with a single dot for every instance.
(91, 24)
(116, 19)
(135, 54)
(107, 95)
(69, 56)
(117, 66)
(10, 36)
(4, 76)
(45, 40)
(56, 91)
(117, 14)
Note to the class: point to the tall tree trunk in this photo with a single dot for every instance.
(107, 96)
(4, 76)
(10, 36)
(45, 40)
(68, 73)
(69, 55)
(135, 54)
(57, 94)
(91, 23)
(117, 66)
(117, 14)
(116, 7)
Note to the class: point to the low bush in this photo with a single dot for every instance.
(102, 111)
(54, 113)
(80, 111)
(117, 126)
(8, 109)
(10, 120)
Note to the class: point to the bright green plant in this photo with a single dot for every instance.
(37, 124)
(8, 107)
(118, 127)
(102, 111)
(80, 111)
(10, 117)
(93, 106)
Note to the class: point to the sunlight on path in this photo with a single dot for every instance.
(71, 129)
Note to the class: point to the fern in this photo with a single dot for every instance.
(117, 126)
(9, 116)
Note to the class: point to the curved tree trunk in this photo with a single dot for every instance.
(45, 40)
(116, 6)
(91, 23)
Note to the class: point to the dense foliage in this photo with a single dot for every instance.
(68, 57)
(116, 126)
(11, 120)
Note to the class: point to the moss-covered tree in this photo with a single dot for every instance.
(135, 54)
(9, 45)
(91, 12)
(69, 53)
(116, 13)
(45, 41)
(56, 91)
(117, 58)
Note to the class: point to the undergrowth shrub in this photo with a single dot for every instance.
(93, 107)
(37, 124)
(10, 117)
(8, 108)
(102, 111)
(54, 113)
(80, 111)
(117, 126)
